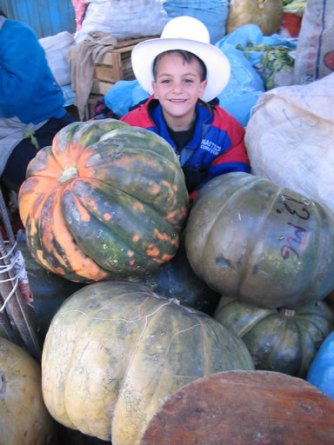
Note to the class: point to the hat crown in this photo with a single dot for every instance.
(184, 27)
(183, 33)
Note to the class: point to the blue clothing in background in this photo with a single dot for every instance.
(31, 102)
(27, 87)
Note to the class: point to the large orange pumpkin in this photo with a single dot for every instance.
(105, 200)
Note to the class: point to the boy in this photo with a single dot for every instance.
(185, 73)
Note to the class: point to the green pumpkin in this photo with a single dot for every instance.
(106, 200)
(282, 340)
(115, 351)
(49, 290)
(265, 245)
(177, 280)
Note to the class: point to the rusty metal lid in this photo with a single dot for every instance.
(244, 408)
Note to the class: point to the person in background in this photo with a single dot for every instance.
(184, 73)
(31, 103)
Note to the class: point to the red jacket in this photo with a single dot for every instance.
(217, 145)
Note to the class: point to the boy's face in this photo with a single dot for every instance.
(178, 86)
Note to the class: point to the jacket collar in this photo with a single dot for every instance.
(203, 116)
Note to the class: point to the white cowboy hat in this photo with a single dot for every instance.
(189, 34)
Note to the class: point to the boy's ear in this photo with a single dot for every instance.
(154, 89)
(202, 87)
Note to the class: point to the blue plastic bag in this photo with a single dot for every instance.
(213, 13)
(321, 370)
(124, 95)
(244, 87)
(272, 56)
(251, 34)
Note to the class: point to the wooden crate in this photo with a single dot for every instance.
(115, 65)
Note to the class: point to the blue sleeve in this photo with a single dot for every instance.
(22, 59)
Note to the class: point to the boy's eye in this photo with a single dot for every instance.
(188, 80)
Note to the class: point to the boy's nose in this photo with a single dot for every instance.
(177, 86)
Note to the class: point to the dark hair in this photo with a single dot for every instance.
(2, 13)
(186, 56)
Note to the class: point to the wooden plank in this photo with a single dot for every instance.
(118, 68)
(126, 67)
(123, 46)
(244, 408)
(101, 87)
(128, 42)
(109, 58)
(105, 72)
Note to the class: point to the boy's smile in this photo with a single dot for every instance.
(178, 86)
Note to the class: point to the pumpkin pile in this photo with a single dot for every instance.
(266, 251)
(106, 207)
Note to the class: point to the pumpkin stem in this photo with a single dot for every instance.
(68, 174)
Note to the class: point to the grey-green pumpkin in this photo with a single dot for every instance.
(263, 244)
(115, 350)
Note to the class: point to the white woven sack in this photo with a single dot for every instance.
(124, 19)
(56, 48)
(314, 57)
(290, 138)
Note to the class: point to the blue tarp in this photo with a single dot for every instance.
(45, 17)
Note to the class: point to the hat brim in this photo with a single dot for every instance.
(217, 64)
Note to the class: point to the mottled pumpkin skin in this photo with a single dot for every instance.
(105, 200)
(49, 290)
(115, 350)
(267, 14)
(24, 419)
(282, 340)
(176, 279)
(263, 244)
